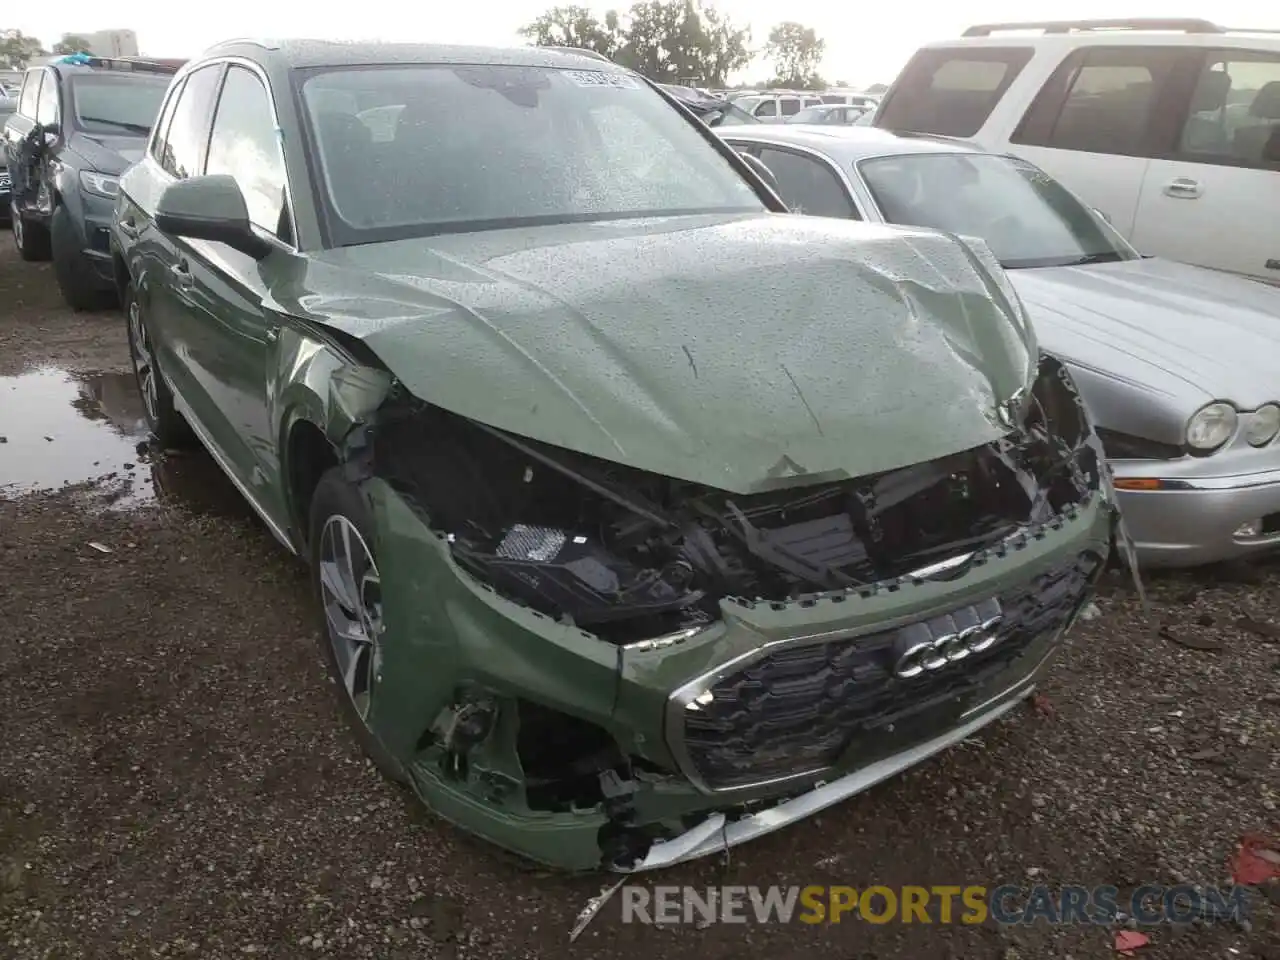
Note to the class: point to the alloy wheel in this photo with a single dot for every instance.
(351, 592)
(144, 364)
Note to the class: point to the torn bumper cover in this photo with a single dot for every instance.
(599, 667)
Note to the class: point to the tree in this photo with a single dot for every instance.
(877, 88)
(575, 26)
(671, 41)
(796, 52)
(17, 49)
(71, 43)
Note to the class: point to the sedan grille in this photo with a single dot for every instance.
(801, 708)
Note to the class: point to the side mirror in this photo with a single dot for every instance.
(209, 208)
(762, 171)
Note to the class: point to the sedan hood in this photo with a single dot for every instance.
(1185, 332)
(108, 154)
(742, 352)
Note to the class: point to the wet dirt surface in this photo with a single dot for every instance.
(175, 779)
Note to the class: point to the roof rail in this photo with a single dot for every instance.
(1183, 25)
(129, 64)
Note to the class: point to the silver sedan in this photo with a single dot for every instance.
(1177, 363)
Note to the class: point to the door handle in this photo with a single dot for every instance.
(1182, 188)
(181, 275)
(129, 227)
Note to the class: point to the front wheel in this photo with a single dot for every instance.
(31, 238)
(165, 422)
(344, 575)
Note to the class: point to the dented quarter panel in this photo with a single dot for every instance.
(725, 350)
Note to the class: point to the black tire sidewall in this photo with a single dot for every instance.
(69, 268)
(336, 496)
(34, 247)
(168, 426)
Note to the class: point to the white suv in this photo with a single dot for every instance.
(1170, 128)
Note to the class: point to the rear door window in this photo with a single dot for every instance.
(1110, 100)
(790, 106)
(808, 185)
(47, 105)
(951, 92)
(30, 94)
(1234, 114)
(188, 135)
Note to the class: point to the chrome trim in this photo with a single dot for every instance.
(691, 695)
(716, 834)
(1246, 481)
(198, 429)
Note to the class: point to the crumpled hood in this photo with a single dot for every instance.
(1184, 331)
(108, 154)
(741, 352)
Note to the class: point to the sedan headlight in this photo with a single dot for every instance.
(1263, 425)
(1211, 426)
(100, 183)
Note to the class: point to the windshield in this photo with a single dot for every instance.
(125, 106)
(412, 151)
(1026, 217)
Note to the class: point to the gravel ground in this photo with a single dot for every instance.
(175, 779)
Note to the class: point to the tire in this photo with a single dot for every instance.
(31, 238)
(166, 424)
(79, 285)
(335, 505)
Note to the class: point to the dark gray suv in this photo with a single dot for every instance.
(80, 122)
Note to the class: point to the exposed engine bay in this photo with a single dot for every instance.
(630, 555)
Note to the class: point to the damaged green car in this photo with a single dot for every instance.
(645, 517)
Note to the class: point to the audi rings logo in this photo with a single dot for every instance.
(933, 653)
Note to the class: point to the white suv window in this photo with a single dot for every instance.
(1103, 100)
(1234, 115)
(951, 92)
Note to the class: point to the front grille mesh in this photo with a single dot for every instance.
(801, 708)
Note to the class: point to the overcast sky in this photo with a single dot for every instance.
(867, 41)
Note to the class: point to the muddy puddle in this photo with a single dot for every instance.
(60, 428)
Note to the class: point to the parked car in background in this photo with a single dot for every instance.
(78, 125)
(776, 107)
(627, 553)
(828, 114)
(713, 111)
(868, 101)
(1177, 363)
(7, 107)
(1169, 127)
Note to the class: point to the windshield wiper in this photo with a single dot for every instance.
(122, 124)
(1111, 256)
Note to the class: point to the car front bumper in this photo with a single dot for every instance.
(95, 244)
(451, 640)
(1189, 521)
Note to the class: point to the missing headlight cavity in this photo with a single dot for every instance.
(631, 555)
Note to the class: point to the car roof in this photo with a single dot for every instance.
(849, 143)
(341, 53)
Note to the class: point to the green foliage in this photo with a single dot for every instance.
(17, 49)
(71, 43)
(671, 41)
(795, 51)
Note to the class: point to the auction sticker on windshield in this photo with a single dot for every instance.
(595, 78)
